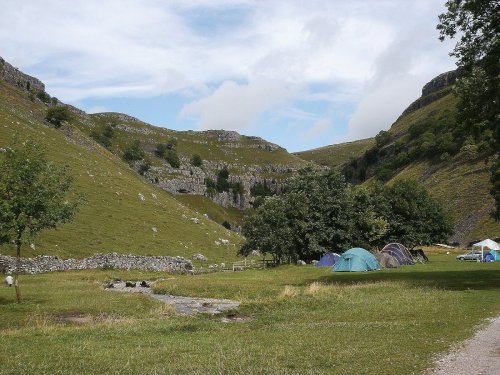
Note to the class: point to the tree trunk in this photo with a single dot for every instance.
(18, 268)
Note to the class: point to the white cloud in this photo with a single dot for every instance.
(319, 128)
(356, 50)
(237, 106)
(97, 109)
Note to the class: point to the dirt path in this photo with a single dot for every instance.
(480, 355)
(182, 305)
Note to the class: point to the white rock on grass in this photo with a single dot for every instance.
(141, 197)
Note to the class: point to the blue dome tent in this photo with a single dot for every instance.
(356, 260)
(328, 260)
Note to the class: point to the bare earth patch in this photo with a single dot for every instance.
(182, 305)
(479, 355)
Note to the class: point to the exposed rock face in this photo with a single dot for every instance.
(46, 263)
(441, 81)
(191, 180)
(13, 76)
(437, 88)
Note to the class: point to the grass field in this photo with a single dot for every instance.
(304, 321)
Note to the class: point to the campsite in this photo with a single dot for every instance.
(402, 317)
(250, 187)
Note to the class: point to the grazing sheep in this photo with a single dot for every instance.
(9, 280)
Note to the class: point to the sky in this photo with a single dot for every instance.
(302, 74)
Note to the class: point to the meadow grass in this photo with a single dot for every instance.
(305, 320)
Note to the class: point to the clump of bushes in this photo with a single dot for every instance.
(168, 152)
(57, 115)
(133, 152)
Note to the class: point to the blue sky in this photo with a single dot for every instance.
(300, 74)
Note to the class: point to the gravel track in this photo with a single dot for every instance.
(479, 355)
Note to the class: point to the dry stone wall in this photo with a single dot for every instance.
(46, 263)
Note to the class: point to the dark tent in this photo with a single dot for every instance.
(386, 260)
(419, 256)
(399, 252)
(328, 260)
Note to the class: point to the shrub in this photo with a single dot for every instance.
(57, 115)
(383, 138)
(226, 224)
(196, 160)
(43, 96)
(144, 167)
(133, 152)
(172, 158)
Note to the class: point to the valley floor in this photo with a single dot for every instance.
(292, 320)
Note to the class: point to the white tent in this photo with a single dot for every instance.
(488, 244)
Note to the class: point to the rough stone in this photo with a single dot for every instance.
(15, 77)
(46, 263)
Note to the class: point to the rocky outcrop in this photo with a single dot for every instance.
(437, 88)
(17, 78)
(46, 263)
(440, 82)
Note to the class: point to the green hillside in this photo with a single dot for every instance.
(427, 145)
(114, 218)
(336, 155)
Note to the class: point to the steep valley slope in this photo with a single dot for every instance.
(124, 212)
(420, 146)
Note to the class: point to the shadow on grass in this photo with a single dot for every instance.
(450, 280)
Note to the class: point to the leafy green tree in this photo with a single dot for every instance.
(310, 218)
(478, 55)
(32, 197)
(57, 115)
(273, 229)
(414, 217)
(133, 152)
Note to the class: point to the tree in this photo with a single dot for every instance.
(310, 218)
(134, 152)
(32, 197)
(414, 217)
(478, 55)
(57, 115)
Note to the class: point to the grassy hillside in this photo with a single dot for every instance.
(426, 145)
(216, 146)
(336, 155)
(114, 218)
(249, 161)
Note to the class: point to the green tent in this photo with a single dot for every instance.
(356, 260)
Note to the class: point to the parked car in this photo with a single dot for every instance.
(471, 255)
